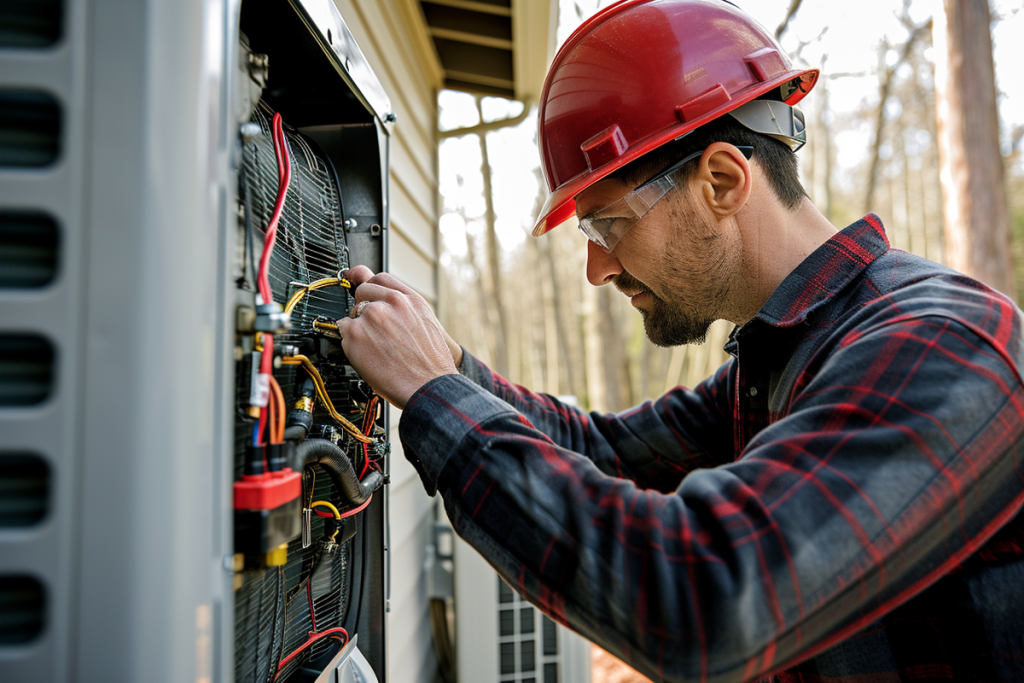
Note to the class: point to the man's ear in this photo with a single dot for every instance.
(725, 179)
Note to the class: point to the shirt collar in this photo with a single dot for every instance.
(825, 273)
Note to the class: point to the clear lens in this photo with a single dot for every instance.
(606, 226)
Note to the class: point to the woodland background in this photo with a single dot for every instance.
(923, 147)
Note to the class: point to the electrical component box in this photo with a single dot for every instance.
(268, 512)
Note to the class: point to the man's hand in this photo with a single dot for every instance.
(395, 343)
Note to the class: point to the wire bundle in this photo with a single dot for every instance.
(321, 390)
(284, 175)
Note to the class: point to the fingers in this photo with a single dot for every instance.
(391, 282)
(371, 291)
(345, 330)
(358, 275)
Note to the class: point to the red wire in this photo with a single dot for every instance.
(278, 133)
(371, 411)
(366, 460)
(309, 594)
(266, 367)
(284, 168)
(284, 173)
(348, 513)
(358, 509)
(336, 632)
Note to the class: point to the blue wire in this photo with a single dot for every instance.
(256, 434)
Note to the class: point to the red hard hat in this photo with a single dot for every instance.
(641, 73)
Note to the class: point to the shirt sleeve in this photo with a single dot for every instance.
(896, 461)
(653, 445)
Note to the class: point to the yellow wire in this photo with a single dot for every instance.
(328, 505)
(337, 515)
(319, 284)
(321, 390)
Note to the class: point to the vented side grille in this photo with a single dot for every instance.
(28, 249)
(520, 656)
(24, 489)
(26, 370)
(29, 128)
(21, 609)
(30, 23)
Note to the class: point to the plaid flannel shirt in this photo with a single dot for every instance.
(838, 502)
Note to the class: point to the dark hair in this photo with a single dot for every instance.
(777, 160)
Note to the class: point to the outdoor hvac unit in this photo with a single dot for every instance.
(502, 638)
(157, 524)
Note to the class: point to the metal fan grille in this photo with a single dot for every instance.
(272, 614)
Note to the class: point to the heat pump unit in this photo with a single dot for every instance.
(193, 479)
(502, 638)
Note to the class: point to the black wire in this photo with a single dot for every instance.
(363, 552)
(281, 607)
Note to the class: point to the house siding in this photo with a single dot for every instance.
(392, 36)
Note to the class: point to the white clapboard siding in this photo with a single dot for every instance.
(392, 35)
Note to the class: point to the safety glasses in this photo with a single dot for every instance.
(605, 227)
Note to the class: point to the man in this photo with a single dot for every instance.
(839, 501)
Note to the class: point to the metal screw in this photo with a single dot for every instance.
(350, 224)
(390, 117)
(753, 391)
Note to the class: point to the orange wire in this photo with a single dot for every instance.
(278, 420)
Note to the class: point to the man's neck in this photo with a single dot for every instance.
(775, 241)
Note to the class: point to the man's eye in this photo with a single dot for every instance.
(605, 225)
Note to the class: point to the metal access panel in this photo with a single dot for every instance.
(157, 522)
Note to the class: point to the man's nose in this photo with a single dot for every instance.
(602, 265)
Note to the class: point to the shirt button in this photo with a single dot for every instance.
(753, 392)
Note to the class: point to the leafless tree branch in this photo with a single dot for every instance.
(794, 5)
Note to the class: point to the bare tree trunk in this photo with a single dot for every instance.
(611, 348)
(501, 355)
(884, 90)
(485, 305)
(973, 186)
(826, 114)
(597, 390)
(559, 313)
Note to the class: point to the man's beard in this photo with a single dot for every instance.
(684, 317)
(667, 323)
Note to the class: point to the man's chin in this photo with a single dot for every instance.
(666, 333)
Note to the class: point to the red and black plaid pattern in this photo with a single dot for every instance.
(838, 502)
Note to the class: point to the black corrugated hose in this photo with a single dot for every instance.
(339, 468)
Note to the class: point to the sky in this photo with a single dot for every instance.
(855, 29)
